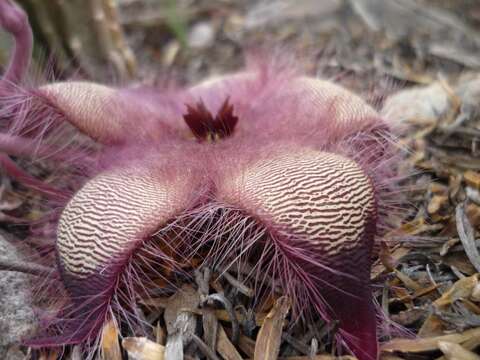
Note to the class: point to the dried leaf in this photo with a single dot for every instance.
(475, 296)
(471, 306)
(460, 261)
(155, 302)
(462, 289)
(270, 335)
(473, 213)
(223, 315)
(428, 344)
(110, 345)
(418, 293)
(408, 317)
(186, 298)
(467, 236)
(180, 323)
(160, 334)
(210, 327)
(140, 348)
(247, 345)
(437, 203)
(471, 344)
(393, 257)
(472, 178)
(433, 326)
(418, 226)
(407, 281)
(386, 257)
(454, 351)
(448, 245)
(207, 351)
(224, 347)
(403, 295)
(438, 189)
(229, 308)
(238, 285)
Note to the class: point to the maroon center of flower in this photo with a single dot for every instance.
(205, 127)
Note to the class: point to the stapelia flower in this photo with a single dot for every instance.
(289, 172)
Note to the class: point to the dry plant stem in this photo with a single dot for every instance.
(454, 351)
(48, 29)
(245, 290)
(210, 322)
(86, 44)
(111, 13)
(202, 279)
(231, 312)
(16, 22)
(67, 29)
(269, 337)
(110, 38)
(175, 340)
(210, 327)
(467, 236)
(246, 269)
(24, 267)
(224, 347)
(107, 45)
(313, 348)
(209, 353)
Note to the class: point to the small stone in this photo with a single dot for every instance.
(201, 35)
(17, 319)
(420, 105)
